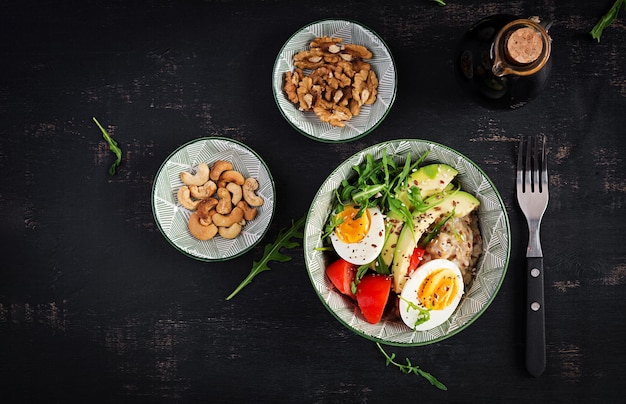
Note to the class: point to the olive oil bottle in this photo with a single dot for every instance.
(503, 61)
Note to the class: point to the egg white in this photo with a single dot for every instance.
(364, 251)
(409, 294)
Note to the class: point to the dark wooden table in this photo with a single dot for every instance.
(95, 304)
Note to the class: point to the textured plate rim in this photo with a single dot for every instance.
(270, 211)
(373, 332)
(277, 79)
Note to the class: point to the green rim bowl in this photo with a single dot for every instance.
(491, 267)
(307, 123)
(171, 217)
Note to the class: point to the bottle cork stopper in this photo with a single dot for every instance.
(524, 45)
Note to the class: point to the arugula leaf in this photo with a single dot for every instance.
(112, 146)
(368, 191)
(440, 2)
(435, 231)
(360, 273)
(381, 267)
(377, 183)
(400, 210)
(285, 239)
(607, 19)
(422, 317)
(410, 368)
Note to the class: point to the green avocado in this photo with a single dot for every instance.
(430, 179)
(393, 227)
(461, 202)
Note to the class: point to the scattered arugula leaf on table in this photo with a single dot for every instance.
(112, 146)
(607, 19)
(440, 2)
(410, 368)
(286, 239)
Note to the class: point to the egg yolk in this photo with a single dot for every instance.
(352, 229)
(438, 289)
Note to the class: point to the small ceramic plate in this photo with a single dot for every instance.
(172, 218)
(491, 267)
(382, 63)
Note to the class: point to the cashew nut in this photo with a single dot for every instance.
(205, 210)
(227, 220)
(203, 191)
(249, 213)
(223, 201)
(218, 167)
(199, 178)
(198, 230)
(231, 231)
(224, 206)
(232, 176)
(184, 197)
(250, 185)
(235, 191)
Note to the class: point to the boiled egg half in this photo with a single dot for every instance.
(359, 239)
(431, 294)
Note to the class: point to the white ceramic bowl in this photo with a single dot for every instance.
(171, 217)
(382, 63)
(491, 267)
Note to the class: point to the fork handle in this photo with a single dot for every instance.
(535, 317)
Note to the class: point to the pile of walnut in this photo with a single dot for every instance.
(339, 84)
(221, 199)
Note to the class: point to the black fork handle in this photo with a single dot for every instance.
(535, 318)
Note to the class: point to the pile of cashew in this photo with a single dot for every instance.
(221, 199)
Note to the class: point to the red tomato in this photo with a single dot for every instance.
(342, 273)
(371, 296)
(416, 259)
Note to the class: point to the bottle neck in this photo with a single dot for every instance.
(521, 48)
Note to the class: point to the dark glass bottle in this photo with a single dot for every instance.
(503, 61)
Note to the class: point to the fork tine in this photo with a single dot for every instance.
(544, 166)
(528, 166)
(532, 165)
(536, 165)
(520, 164)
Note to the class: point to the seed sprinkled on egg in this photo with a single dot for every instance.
(436, 287)
(359, 237)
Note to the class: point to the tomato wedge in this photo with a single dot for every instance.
(416, 259)
(372, 294)
(342, 273)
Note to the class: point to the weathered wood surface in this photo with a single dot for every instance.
(94, 304)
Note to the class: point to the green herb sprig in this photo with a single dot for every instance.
(286, 239)
(410, 368)
(607, 19)
(435, 231)
(423, 314)
(112, 146)
(377, 183)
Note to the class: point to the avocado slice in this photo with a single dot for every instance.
(430, 179)
(462, 202)
(393, 227)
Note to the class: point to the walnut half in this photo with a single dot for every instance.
(339, 82)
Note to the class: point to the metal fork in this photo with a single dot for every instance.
(532, 196)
